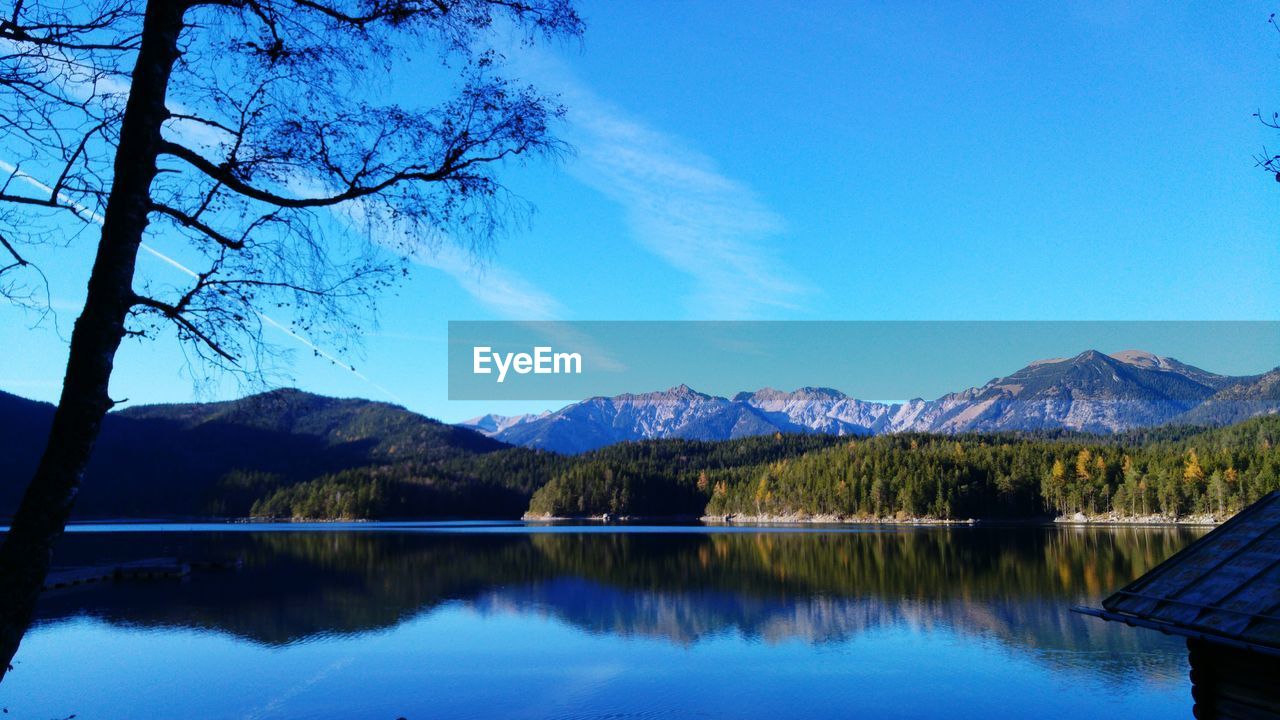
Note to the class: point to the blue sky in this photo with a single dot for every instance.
(887, 161)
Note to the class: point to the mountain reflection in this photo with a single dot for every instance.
(1009, 585)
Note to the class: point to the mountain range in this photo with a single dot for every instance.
(294, 451)
(1091, 392)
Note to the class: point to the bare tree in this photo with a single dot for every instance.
(255, 132)
(1270, 163)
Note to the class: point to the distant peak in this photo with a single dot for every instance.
(679, 391)
(1141, 358)
(1135, 358)
(1135, 355)
(817, 390)
(806, 391)
(282, 393)
(1088, 356)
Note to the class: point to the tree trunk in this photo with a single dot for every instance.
(46, 505)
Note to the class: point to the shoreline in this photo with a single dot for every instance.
(766, 520)
(840, 520)
(705, 520)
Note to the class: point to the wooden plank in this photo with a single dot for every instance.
(1230, 683)
(1228, 709)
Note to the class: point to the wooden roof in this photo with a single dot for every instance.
(1225, 587)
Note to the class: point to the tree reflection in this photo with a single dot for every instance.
(1012, 585)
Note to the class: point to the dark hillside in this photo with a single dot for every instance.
(216, 458)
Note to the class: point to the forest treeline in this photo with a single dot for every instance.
(1171, 472)
(500, 484)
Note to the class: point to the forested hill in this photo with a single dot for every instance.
(369, 429)
(1171, 472)
(1248, 398)
(217, 458)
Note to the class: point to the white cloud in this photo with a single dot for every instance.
(504, 292)
(678, 205)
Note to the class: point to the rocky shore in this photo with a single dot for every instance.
(1115, 519)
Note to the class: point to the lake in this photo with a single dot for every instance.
(508, 620)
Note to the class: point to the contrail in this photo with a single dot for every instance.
(97, 218)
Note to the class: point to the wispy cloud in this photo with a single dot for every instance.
(678, 205)
(504, 292)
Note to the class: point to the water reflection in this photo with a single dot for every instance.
(1011, 586)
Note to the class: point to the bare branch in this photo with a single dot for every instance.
(25, 200)
(18, 259)
(47, 28)
(191, 222)
(388, 12)
(173, 313)
(225, 176)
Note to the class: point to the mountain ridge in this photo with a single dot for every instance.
(289, 453)
(1091, 392)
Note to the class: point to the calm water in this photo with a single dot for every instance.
(499, 620)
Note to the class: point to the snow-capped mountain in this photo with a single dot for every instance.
(491, 424)
(1090, 392)
(678, 412)
(821, 410)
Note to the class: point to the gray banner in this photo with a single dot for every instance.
(492, 360)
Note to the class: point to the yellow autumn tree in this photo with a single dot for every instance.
(1055, 484)
(763, 494)
(1191, 471)
(1083, 461)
